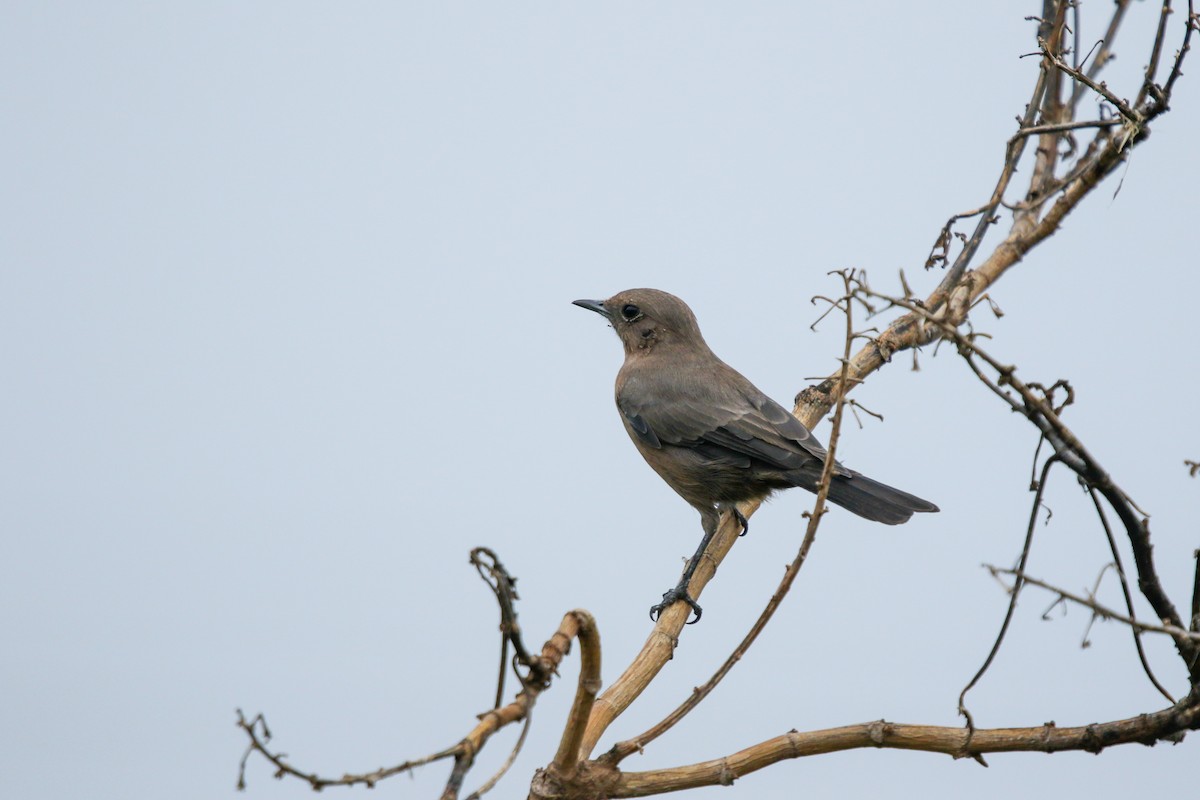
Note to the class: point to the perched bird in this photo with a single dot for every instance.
(711, 434)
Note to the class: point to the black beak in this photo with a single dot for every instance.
(594, 305)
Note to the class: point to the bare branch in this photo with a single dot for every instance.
(1101, 611)
(491, 782)
(1146, 729)
(1104, 54)
(1131, 114)
(504, 587)
(1014, 592)
(1070, 126)
(1072, 452)
(568, 756)
(541, 668)
(1192, 25)
(1120, 567)
(260, 735)
(1195, 626)
(1155, 51)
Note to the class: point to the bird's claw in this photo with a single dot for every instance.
(670, 598)
(741, 520)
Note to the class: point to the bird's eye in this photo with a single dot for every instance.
(630, 312)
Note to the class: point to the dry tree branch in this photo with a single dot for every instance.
(574, 624)
(1120, 567)
(1068, 126)
(1046, 156)
(567, 759)
(1130, 113)
(660, 645)
(1104, 54)
(1102, 611)
(1146, 729)
(1071, 451)
(504, 587)
(541, 669)
(260, 736)
(1192, 25)
(1012, 597)
(1156, 51)
(951, 301)
(1195, 626)
(960, 288)
(491, 782)
(1052, 120)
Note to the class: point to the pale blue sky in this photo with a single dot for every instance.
(286, 330)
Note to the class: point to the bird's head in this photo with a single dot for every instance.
(646, 319)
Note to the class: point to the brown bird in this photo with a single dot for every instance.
(711, 434)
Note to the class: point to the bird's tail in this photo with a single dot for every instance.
(873, 500)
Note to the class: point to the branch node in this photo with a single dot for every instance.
(727, 776)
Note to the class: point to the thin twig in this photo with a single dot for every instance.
(1012, 155)
(1192, 24)
(1070, 126)
(1155, 52)
(1104, 54)
(1195, 626)
(1120, 567)
(1053, 111)
(1014, 593)
(1101, 610)
(1072, 453)
(491, 782)
(258, 743)
(1131, 114)
(504, 587)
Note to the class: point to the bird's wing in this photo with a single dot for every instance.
(740, 423)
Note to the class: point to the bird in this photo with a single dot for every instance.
(711, 434)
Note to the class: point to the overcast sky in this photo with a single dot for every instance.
(285, 331)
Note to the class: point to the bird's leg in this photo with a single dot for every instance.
(680, 592)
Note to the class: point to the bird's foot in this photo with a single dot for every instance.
(741, 520)
(672, 597)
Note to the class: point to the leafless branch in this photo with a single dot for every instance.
(1069, 126)
(491, 782)
(1120, 567)
(260, 736)
(540, 671)
(1014, 592)
(566, 761)
(1155, 51)
(1146, 729)
(1105, 53)
(1035, 407)
(1101, 611)
(1130, 113)
(1048, 199)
